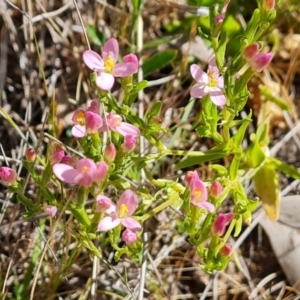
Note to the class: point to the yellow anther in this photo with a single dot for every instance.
(84, 169)
(123, 211)
(212, 79)
(80, 118)
(109, 65)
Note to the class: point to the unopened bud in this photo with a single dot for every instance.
(110, 153)
(129, 143)
(50, 210)
(8, 175)
(259, 61)
(129, 236)
(30, 155)
(216, 189)
(226, 250)
(222, 220)
(250, 51)
(268, 4)
(57, 156)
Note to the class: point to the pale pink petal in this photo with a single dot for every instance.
(105, 81)
(124, 69)
(217, 97)
(101, 171)
(78, 131)
(86, 165)
(220, 82)
(111, 49)
(65, 173)
(131, 224)
(198, 92)
(198, 74)
(92, 121)
(130, 200)
(93, 60)
(84, 179)
(207, 206)
(108, 223)
(212, 67)
(128, 129)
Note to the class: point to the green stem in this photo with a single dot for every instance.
(159, 208)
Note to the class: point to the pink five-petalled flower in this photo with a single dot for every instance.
(121, 213)
(199, 195)
(106, 66)
(86, 172)
(222, 220)
(86, 120)
(210, 83)
(8, 175)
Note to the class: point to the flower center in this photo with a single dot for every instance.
(109, 64)
(123, 211)
(198, 194)
(84, 169)
(80, 118)
(213, 82)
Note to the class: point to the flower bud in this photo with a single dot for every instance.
(102, 203)
(8, 175)
(133, 59)
(110, 153)
(226, 250)
(268, 4)
(250, 51)
(92, 121)
(216, 189)
(259, 61)
(129, 236)
(57, 156)
(219, 18)
(129, 143)
(30, 155)
(50, 210)
(222, 220)
(101, 171)
(69, 160)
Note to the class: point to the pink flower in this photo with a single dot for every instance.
(114, 123)
(129, 236)
(222, 220)
(216, 189)
(7, 175)
(250, 51)
(57, 156)
(85, 121)
(199, 193)
(106, 66)
(50, 210)
(121, 213)
(210, 83)
(86, 172)
(129, 143)
(259, 61)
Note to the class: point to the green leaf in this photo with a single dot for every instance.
(254, 154)
(154, 110)
(136, 6)
(285, 168)
(239, 136)
(95, 35)
(231, 25)
(212, 154)
(158, 61)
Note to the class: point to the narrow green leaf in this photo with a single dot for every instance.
(158, 61)
(212, 154)
(95, 35)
